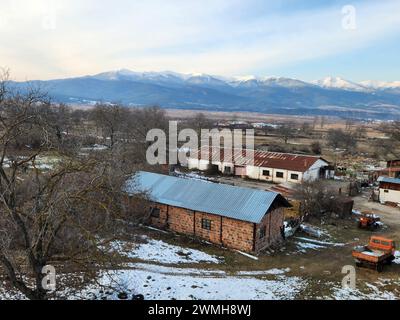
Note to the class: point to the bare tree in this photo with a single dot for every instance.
(285, 131)
(58, 216)
(110, 119)
(391, 146)
(306, 128)
(317, 199)
(338, 138)
(316, 147)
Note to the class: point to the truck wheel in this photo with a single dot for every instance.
(379, 267)
(390, 259)
(358, 264)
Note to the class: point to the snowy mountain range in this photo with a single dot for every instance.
(328, 96)
(201, 78)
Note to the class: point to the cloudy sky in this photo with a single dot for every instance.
(308, 39)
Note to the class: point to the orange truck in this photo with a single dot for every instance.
(376, 254)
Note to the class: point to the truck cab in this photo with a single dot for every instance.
(382, 244)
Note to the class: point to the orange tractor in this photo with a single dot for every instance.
(376, 254)
(369, 220)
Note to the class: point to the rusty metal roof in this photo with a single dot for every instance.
(228, 201)
(258, 158)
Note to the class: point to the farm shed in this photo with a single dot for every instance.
(262, 165)
(389, 190)
(238, 218)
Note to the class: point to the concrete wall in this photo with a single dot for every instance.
(197, 164)
(313, 172)
(256, 173)
(389, 195)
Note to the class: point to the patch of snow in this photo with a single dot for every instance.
(95, 147)
(313, 231)
(303, 246)
(397, 257)
(321, 242)
(274, 271)
(174, 270)
(372, 292)
(162, 252)
(191, 175)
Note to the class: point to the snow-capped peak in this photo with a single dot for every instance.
(126, 74)
(254, 81)
(339, 83)
(245, 78)
(380, 84)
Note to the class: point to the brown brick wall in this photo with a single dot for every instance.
(180, 220)
(272, 222)
(213, 235)
(237, 234)
(160, 222)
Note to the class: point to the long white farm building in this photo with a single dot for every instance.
(262, 165)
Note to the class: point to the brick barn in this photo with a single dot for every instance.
(238, 218)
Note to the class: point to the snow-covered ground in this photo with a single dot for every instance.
(372, 292)
(162, 252)
(177, 283)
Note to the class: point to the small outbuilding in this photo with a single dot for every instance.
(235, 217)
(389, 190)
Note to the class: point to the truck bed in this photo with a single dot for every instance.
(366, 254)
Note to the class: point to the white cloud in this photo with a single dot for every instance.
(188, 36)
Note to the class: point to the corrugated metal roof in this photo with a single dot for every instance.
(258, 158)
(229, 201)
(389, 180)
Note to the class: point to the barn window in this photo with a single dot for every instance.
(263, 231)
(155, 212)
(294, 176)
(279, 174)
(227, 170)
(206, 224)
(266, 173)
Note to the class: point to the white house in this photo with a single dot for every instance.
(389, 190)
(261, 165)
